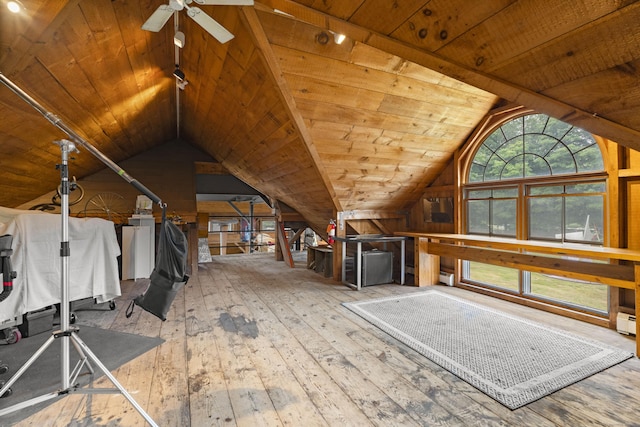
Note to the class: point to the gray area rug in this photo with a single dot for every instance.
(512, 360)
(112, 348)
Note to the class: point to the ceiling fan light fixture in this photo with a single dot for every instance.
(164, 12)
(178, 39)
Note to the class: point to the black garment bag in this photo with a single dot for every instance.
(169, 276)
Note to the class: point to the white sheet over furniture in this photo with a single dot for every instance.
(93, 265)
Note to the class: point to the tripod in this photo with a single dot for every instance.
(68, 335)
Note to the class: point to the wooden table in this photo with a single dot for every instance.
(596, 264)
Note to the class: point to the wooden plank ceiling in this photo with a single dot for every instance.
(364, 125)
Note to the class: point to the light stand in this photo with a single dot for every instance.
(66, 334)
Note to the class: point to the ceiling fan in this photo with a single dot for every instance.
(162, 14)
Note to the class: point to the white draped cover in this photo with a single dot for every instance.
(93, 265)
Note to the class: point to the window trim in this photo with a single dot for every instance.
(464, 160)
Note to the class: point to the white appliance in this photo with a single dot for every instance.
(138, 247)
(446, 278)
(626, 324)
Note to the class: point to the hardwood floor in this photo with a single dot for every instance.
(251, 342)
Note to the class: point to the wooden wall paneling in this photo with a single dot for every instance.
(208, 128)
(273, 64)
(632, 202)
(498, 47)
(202, 58)
(262, 108)
(298, 35)
(317, 90)
(343, 9)
(463, 95)
(260, 39)
(363, 77)
(604, 83)
(44, 20)
(380, 155)
(285, 134)
(364, 74)
(108, 83)
(440, 22)
(633, 158)
(614, 156)
(368, 15)
(377, 119)
(588, 50)
(167, 171)
(584, 119)
(153, 99)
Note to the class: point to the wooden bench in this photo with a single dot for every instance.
(572, 261)
(320, 259)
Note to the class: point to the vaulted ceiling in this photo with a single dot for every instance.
(362, 125)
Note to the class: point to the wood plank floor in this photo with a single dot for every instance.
(251, 342)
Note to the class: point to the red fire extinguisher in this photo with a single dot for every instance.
(331, 231)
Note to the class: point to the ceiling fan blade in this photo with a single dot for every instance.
(211, 26)
(157, 20)
(225, 2)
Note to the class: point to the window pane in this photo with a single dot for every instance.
(583, 294)
(535, 123)
(503, 217)
(502, 193)
(536, 166)
(578, 139)
(501, 277)
(476, 174)
(478, 217)
(511, 149)
(588, 187)
(514, 169)
(539, 144)
(556, 128)
(495, 140)
(550, 147)
(566, 209)
(584, 218)
(540, 190)
(589, 159)
(561, 160)
(482, 155)
(545, 218)
(494, 169)
(479, 194)
(513, 128)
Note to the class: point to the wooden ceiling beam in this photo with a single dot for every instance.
(250, 18)
(589, 121)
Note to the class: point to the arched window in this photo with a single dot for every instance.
(550, 169)
(535, 177)
(532, 146)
